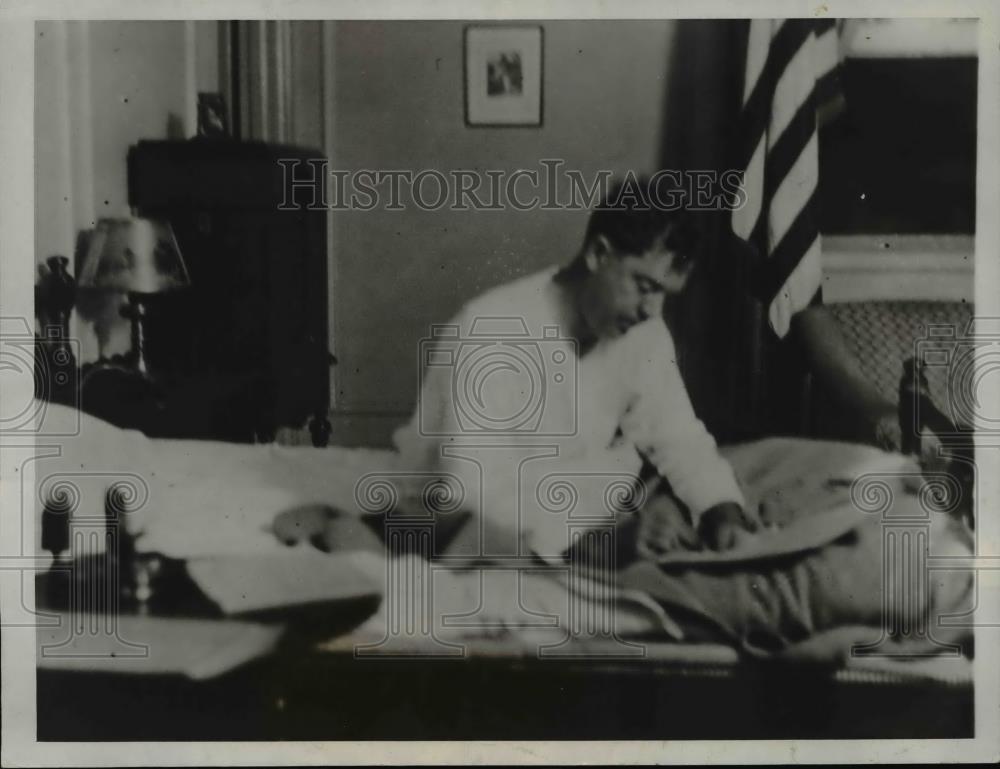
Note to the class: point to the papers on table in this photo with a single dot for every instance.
(132, 644)
(293, 577)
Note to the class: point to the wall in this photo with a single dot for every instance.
(99, 88)
(398, 104)
(392, 97)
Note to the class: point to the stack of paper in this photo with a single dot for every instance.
(132, 644)
(293, 577)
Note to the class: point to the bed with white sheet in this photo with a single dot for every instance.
(809, 594)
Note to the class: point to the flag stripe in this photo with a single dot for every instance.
(805, 280)
(799, 236)
(746, 218)
(792, 88)
(758, 39)
(797, 185)
(757, 111)
(823, 26)
(790, 146)
(787, 74)
(758, 236)
(827, 51)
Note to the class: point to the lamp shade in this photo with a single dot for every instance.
(133, 255)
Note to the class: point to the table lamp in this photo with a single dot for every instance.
(139, 257)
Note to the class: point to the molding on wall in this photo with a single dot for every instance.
(329, 71)
(266, 74)
(224, 32)
(67, 215)
(910, 38)
(190, 79)
(80, 119)
(285, 66)
(860, 268)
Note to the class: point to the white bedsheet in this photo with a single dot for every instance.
(200, 498)
(204, 498)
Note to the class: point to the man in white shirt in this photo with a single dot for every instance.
(571, 375)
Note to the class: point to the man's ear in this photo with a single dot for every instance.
(598, 252)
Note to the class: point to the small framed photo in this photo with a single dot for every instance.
(503, 76)
(212, 115)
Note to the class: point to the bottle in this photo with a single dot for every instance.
(55, 364)
(120, 556)
(909, 414)
(55, 539)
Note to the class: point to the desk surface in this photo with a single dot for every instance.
(301, 695)
(300, 677)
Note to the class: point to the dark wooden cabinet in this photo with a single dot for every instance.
(257, 306)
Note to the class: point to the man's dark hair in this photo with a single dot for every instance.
(633, 215)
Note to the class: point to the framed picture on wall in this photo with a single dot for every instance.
(503, 76)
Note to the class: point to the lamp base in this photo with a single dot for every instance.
(137, 311)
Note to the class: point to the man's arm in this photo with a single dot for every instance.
(662, 425)
(833, 363)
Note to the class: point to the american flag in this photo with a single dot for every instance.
(791, 79)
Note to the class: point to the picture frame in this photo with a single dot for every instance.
(503, 75)
(213, 120)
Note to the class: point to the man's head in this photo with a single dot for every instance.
(634, 256)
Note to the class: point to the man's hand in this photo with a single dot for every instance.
(724, 526)
(663, 528)
(886, 431)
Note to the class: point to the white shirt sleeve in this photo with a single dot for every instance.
(433, 421)
(661, 423)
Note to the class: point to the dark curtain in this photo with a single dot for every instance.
(743, 380)
(717, 325)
